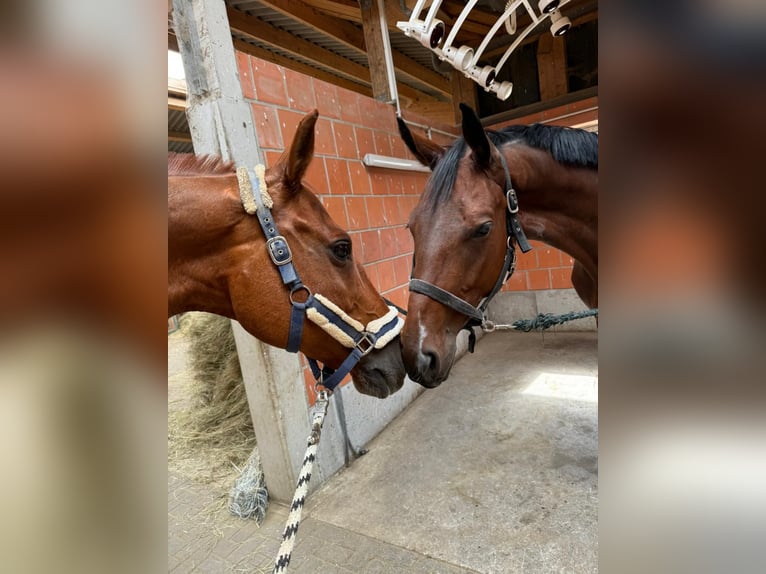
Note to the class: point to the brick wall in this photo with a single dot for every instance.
(372, 204)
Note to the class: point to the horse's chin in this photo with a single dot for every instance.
(381, 373)
(376, 383)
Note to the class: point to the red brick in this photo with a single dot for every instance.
(376, 212)
(391, 209)
(420, 182)
(337, 176)
(561, 278)
(386, 275)
(267, 126)
(401, 270)
(360, 181)
(364, 141)
(548, 257)
(357, 213)
(538, 279)
(269, 82)
(288, 121)
(336, 207)
(379, 180)
(517, 282)
(382, 143)
(368, 109)
(327, 100)
(388, 246)
(300, 91)
(272, 158)
(325, 141)
(316, 176)
(404, 242)
(398, 296)
(526, 261)
(349, 106)
(395, 185)
(308, 380)
(370, 241)
(398, 147)
(245, 75)
(372, 274)
(345, 140)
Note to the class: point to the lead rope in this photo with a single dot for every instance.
(302, 487)
(541, 322)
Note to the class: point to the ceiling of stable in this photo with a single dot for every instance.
(325, 39)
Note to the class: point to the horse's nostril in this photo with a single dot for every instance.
(429, 361)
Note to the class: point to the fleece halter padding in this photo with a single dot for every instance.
(346, 330)
(246, 189)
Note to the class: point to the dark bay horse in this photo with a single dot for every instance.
(218, 259)
(461, 224)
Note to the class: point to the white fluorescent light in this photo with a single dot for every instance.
(374, 160)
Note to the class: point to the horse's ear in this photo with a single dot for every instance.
(475, 136)
(427, 152)
(301, 151)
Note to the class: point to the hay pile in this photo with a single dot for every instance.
(210, 432)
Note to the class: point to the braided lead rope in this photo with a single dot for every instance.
(302, 487)
(541, 322)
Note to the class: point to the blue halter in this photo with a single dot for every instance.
(363, 341)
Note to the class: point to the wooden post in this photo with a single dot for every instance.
(373, 23)
(551, 66)
(463, 90)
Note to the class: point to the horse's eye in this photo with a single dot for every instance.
(483, 229)
(341, 250)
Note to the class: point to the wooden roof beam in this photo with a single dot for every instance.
(261, 31)
(351, 36)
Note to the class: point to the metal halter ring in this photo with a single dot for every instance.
(294, 290)
(365, 344)
(488, 326)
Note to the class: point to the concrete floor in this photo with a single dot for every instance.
(481, 474)
(493, 472)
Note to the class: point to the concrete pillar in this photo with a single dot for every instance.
(221, 123)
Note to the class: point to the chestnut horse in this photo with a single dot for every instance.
(218, 259)
(466, 224)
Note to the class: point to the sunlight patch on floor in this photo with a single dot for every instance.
(562, 386)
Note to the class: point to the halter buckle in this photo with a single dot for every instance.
(512, 200)
(279, 250)
(366, 344)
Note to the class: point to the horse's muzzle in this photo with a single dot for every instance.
(381, 373)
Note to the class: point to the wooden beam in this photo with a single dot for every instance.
(178, 104)
(463, 90)
(279, 60)
(551, 67)
(179, 136)
(376, 52)
(177, 86)
(343, 67)
(273, 36)
(341, 30)
(172, 42)
(352, 37)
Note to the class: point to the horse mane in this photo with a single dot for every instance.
(568, 146)
(180, 164)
